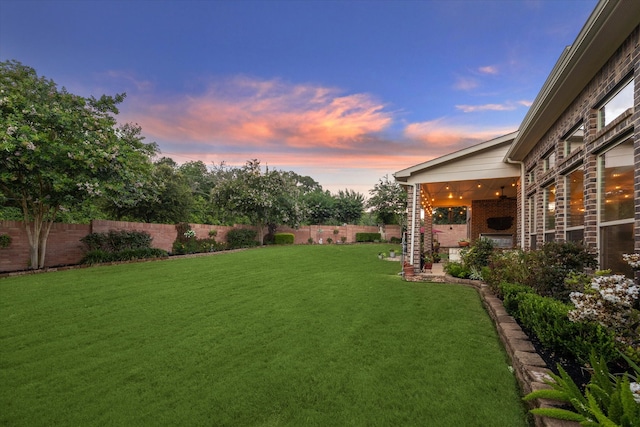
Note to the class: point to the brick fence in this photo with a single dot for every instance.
(64, 246)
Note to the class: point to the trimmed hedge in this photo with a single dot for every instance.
(547, 318)
(117, 241)
(196, 246)
(283, 238)
(98, 256)
(368, 237)
(241, 238)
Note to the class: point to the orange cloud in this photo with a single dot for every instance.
(449, 136)
(262, 113)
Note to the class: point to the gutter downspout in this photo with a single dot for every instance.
(413, 219)
(522, 199)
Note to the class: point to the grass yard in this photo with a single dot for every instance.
(282, 336)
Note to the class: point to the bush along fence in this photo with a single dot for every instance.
(65, 246)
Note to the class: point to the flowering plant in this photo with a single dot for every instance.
(633, 260)
(611, 301)
(189, 234)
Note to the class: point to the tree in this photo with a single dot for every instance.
(453, 215)
(319, 207)
(172, 201)
(349, 206)
(267, 199)
(388, 201)
(201, 181)
(58, 149)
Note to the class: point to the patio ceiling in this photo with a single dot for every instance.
(462, 193)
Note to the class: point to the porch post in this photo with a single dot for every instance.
(415, 228)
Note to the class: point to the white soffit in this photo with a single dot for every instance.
(481, 161)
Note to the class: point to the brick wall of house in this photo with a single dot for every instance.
(64, 246)
(583, 109)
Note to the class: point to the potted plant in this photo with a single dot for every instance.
(463, 243)
(392, 253)
(428, 261)
(407, 269)
(381, 255)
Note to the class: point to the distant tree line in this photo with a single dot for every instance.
(66, 159)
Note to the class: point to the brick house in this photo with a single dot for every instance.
(572, 170)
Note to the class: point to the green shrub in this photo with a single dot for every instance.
(97, 256)
(549, 266)
(395, 240)
(5, 241)
(547, 318)
(188, 243)
(478, 254)
(457, 269)
(242, 238)
(284, 238)
(368, 237)
(607, 398)
(117, 241)
(511, 294)
(507, 266)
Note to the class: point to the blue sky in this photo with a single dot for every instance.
(343, 91)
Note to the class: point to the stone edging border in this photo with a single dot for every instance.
(530, 369)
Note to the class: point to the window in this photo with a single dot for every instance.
(616, 104)
(531, 226)
(550, 161)
(574, 141)
(616, 206)
(531, 177)
(549, 213)
(616, 183)
(574, 196)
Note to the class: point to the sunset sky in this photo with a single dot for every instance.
(343, 91)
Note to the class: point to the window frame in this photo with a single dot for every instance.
(602, 120)
(567, 207)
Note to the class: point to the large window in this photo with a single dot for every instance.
(549, 161)
(574, 140)
(616, 183)
(616, 104)
(531, 226)
(549, 213)
(616, 205)
(574, 197)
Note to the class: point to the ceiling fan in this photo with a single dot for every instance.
(502, 196)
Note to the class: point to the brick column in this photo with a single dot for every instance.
(413, 228)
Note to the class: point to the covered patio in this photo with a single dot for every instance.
(479, 178)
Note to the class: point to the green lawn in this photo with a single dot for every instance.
(282, 336)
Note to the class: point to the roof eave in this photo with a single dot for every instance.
(608, 26)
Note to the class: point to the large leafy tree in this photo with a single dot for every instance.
(172, 201)
(58, 149)
(349, 206)
(388, 201)
(200, 180)
(267, 199)
(319, 207)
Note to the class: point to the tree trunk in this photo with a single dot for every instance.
(38, 231)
